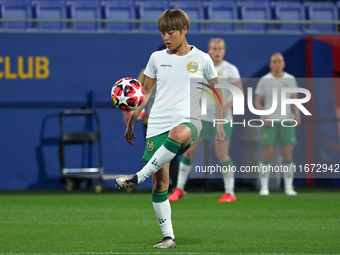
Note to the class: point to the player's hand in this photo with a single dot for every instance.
(129, 134)
(297, 118)
(220, 134)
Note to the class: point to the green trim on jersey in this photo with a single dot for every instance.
(155, 142)
(208, 130)
(278, 133)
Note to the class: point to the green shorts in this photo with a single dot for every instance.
(208, 130)
(278, 133)
(153, 143)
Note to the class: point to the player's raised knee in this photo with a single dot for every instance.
(180, 133)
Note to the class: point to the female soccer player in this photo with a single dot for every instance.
(231, 74)
(272, 133)
(174, 121)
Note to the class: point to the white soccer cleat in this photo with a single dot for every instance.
(264, 192)
(126, 181)
(290, 192)
(167, 242)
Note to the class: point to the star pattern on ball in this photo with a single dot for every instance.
(122, 98)
(124, 84)
(138, 93)
(127, 94)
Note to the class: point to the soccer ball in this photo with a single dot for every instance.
(127, 94)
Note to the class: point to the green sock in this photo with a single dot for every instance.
(162, 209)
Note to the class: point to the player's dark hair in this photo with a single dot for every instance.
(173, 19)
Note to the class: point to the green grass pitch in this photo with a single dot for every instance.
(122, 223)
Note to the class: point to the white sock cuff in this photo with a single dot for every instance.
(183, 173)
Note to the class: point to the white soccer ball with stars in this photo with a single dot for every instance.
(127, 94)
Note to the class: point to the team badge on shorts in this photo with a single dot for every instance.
(264, 137)
(192, 67)
(150, 146)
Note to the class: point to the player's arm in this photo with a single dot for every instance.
(126, 117)
(141, 79)
(230, 103)
(258, 106)
(296, 110)
(219, 110)
(238, 84)
(258, 102)
(148, 86)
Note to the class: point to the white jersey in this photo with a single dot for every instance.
(230, 75)
(265, 88)
(177, 97)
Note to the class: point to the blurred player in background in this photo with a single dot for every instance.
(272, 133)
(174, 122)
(216, 50)
(145, 116)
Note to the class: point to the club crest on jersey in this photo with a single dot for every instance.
(192, 67)
(285, 85)
(150, 146)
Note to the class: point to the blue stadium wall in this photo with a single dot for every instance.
(42, 74)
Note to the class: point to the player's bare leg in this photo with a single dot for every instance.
(288, 174)
(184, 170)
(161, 205)
(222, 154)
(179, 137)
(267, 154)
